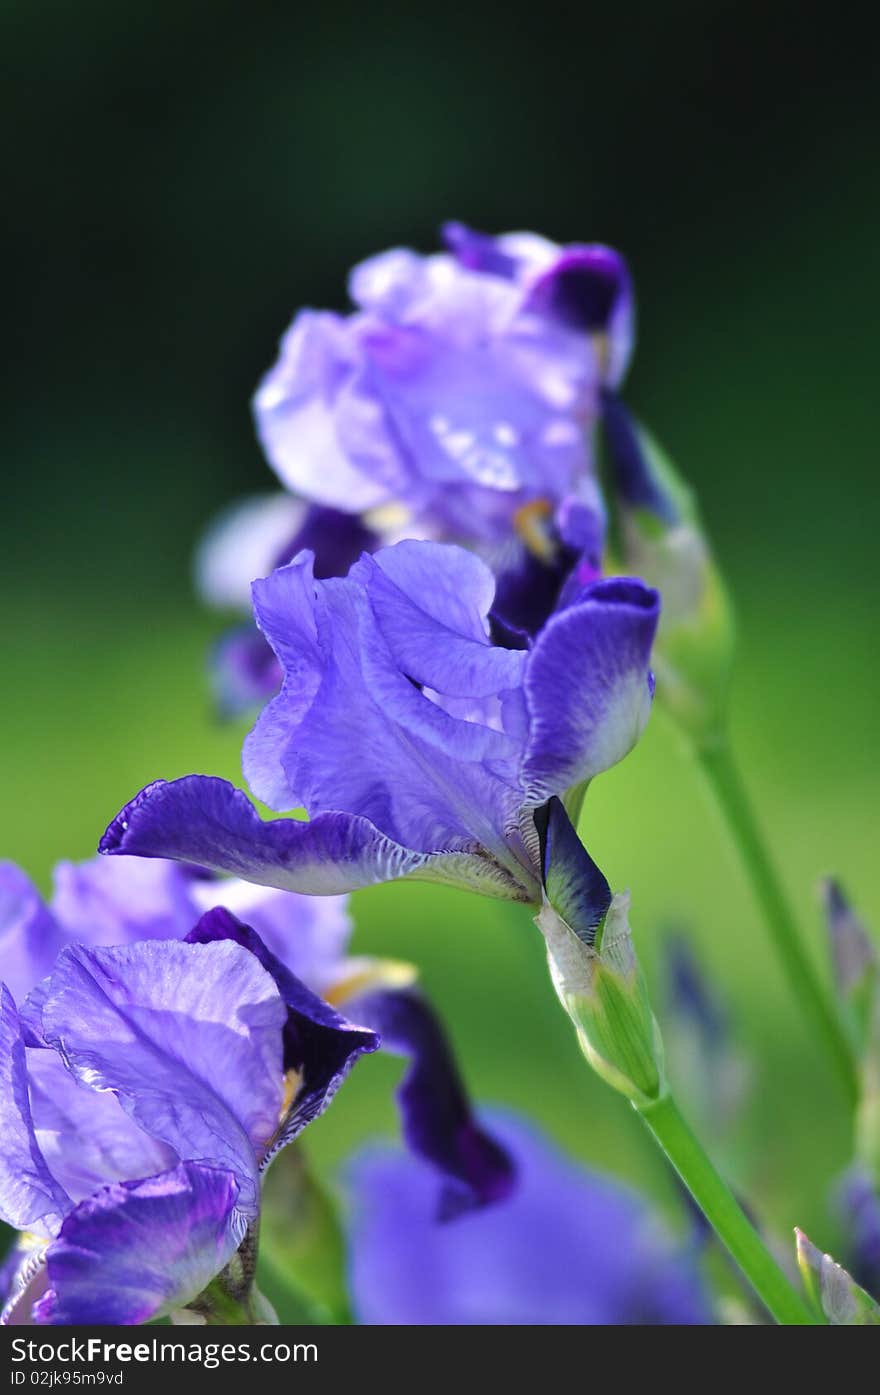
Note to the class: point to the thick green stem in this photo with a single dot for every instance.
(724, 777)
(724, 1213)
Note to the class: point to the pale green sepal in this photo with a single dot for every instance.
(604, 993)
(834, 1292)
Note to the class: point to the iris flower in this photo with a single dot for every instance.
(144, 1089)
(459, 389)
(456, 403)
(418, 746)
(302, 941)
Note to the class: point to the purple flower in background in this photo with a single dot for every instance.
(455, 403)
(418, 747)
(700, 1043)
(568, 1247)
(143, 1090)
(248, 540)
(858, 1200)
(458, 400)
(460, 387)
(113, 901)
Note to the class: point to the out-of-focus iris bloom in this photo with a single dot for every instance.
(658, 534)
(701, 1051)
(465, 392)
(418, 746)
(144, 1088)
(859, 1203)
(460, 388)
(455, 403)
(855, 963)
(568, 1247)
(856, 968)
(248, 540)
(116, 901)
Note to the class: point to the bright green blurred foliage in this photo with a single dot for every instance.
(179, 188)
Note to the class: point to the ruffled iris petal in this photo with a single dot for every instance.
(137, 1250)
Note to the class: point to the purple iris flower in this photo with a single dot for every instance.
(568, 1247)
(143, 1090)
(461, 394)
(302, 941)
(418, 747)
(455, 403)
(459, 387)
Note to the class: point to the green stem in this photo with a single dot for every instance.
(726, 781)
(293, 1305)
(724, 1213)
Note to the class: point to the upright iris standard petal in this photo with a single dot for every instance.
(438, 1123)
(587, 686)
(315, 405)
(320, 1046)
(351, 730)
(460, 387)
(189, 1040)
(566, 1247)
(140, 1248)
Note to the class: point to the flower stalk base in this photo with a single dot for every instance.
(724, 1213)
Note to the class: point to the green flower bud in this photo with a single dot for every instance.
(854, 961)
(593, 963)
(834, 1292)
(603, 991)
(659, 537)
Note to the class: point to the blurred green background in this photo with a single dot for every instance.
(183, 177)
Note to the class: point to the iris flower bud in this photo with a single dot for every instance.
(659, 536)
(854, 960)
(834, 1292)
(593, 963)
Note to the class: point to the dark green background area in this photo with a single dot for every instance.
(183, 177)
